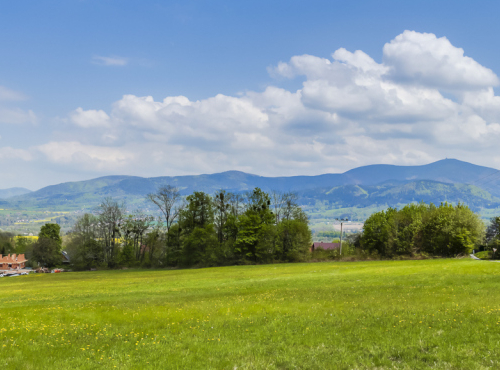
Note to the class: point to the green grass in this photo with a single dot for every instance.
(439, 314)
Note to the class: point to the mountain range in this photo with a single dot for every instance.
(369, 186)
(12, 192)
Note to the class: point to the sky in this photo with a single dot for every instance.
(91, 88)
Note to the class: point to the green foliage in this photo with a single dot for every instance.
(200, 247)
(493, 234)
(485, 255)
(51, 231)
(446, 230)
(255, 238)
(173, 246)
(294, 240)
(24, 245)
(47, 252)
(6, 243)
(249, 226)
(47, 249)
(127, 255)
(84, 253)
(222, 230)
(198, 213)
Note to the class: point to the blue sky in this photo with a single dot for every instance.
(66, 66)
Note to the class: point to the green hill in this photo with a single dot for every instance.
(358, 191)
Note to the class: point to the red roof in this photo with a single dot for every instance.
(13, 259)
(325, 246)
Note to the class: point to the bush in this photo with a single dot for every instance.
(486, 255)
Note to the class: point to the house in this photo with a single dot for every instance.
(13, 262)
(65, 257)
(325, 246)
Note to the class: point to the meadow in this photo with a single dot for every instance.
(436, 314)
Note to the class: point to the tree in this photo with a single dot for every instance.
(293, 240)
(450, 230)
(86, 227)
(255, 228)
(51, 231)
(293, 237)
(127, 255)
(446, 230)
(154, 241)
(222, 204)
(493, 233)
(200, 246)
(167, 199)
(283, 204)
(84, 254)
(198, 212)
(24, 246)
(6, 245)
(47, 249)
(133, 229)
(110, 216)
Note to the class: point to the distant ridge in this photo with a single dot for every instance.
(367, 186)
(446, 170)
(12, 192)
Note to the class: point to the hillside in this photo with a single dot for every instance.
(358, 191)
(12, 192)
(393, 194)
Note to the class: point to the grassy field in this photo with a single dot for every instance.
(439, 314)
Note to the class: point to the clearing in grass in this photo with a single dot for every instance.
(383, 314)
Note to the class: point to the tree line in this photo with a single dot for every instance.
(445, 230)
(198, 230)
(257, 227)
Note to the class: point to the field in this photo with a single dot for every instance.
(437, 314)
(25, 221)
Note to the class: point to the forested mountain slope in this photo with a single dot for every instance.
(375, 185)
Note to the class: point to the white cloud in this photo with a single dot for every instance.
(109, 61)
(350, 111)
(431, 61)
(89, 118)
(8, 94)
(92, 157)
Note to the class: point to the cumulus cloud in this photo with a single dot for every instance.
(91, 156)
(109, 61)
(431, 61)
(351, 110)
(89, 118)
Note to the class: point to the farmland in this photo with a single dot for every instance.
(384, 314)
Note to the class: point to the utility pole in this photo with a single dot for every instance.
(341, 222)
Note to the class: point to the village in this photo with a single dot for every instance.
(15, 265)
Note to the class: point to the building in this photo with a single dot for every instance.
(13, 262)
(65, 257)
(325, 246)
